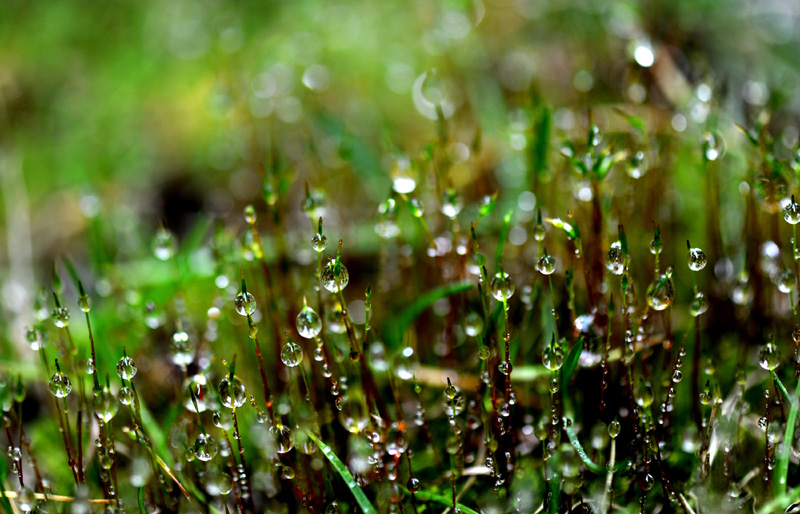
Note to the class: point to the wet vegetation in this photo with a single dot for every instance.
(515, 292)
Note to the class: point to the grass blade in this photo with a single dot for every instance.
(782, 469)
(502, 240)
(444, 500)
(570, 363)
(343, 472)
(140, 501)
(399, 325)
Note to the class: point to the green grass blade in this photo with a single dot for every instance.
(4, 501)
(782, 469)
(590, 464)
(570, 363)
(444, 500)
(340, 468)
(502, 240)
(140, 501)
(399, 325)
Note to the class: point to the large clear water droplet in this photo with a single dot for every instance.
(232, 392)
(546, 265)
(205, 447)
(769, 357)
(291, 354)
(333, 282)
(791, 213)
(502, 286)
(319, 242)
(61, 317)
(60, 385)
(126, 368)
(308, 323)
(282, 436)
(245, 303)
(661, 291)
(615, 259)
(553, 357)
(697, 259)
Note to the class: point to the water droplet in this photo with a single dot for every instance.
(785, 280)
(25, 500)
(546, 265)
(60, 317)
(615, 259)
(402, 174)
(697, 259)
(644, 393)
(181, 349)
(405, 364)
(655, 247)
(197, 383)
(713, 146)
(245, 303)
(163, 244)
(126, 396)
(614, 429)
(553, 357)
(451, 204)
(353, 414)
(502, 286)
(205, 447)
(699, 304)
(539, 232)
(504, 367)
(35, 337)
(661, 291)
(484, 353)
(291, 354)
(331, 281)
(232, 391)
(473, 324)
(414, 485)
(90, 366)
(647, 482)
(126, 368)
(769, 357)
(60, 385)
(105, 405)
(85, 303)
(218, 483)
(637, 165)
(677, 376)
(762, 422)
(319, 242)
(791, 213)
(308, 323)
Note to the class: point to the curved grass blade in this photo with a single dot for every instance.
(571, 363)
(400, 324)
(340, 468)
(140, 501)
(444, 500)
(782, 469)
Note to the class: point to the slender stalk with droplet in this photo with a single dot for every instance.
(262, 370)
